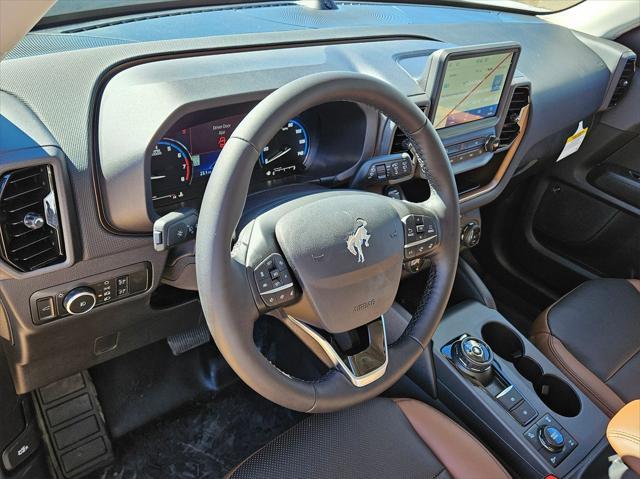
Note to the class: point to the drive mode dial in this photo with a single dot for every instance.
(79, 300)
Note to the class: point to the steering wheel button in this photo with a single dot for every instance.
(264, 286)
(285, 277)
(410, 252)
(274, 273)
(280, 264)
(419, 219)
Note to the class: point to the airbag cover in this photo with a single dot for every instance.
(347, 253)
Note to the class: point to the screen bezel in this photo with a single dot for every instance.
(442, 59)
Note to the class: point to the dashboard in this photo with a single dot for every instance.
(468, 89)
(133, 135)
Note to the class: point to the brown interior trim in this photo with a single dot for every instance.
(502, 170)
(458, 451)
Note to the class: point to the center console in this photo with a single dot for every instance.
(494, 378)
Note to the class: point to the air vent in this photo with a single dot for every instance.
(30, 234)
(510, 129)
(624, 82)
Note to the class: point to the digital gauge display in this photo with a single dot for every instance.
(183, 160)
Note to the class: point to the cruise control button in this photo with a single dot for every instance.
(264, 285)
(285, 277)
(280, 263)
(410, 252)
(410, 229)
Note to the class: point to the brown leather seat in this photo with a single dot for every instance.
(623, 434)
(382, 438)
(593, 335)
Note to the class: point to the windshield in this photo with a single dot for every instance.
(87, 8)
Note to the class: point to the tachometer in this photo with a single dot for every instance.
(286, 152)
(171, 172)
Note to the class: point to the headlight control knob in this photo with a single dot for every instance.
(79, 300)
(492, 144)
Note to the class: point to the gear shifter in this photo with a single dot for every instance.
(473, 357)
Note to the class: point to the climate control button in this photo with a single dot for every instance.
(79, 300)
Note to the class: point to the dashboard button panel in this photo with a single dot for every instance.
(82, 296)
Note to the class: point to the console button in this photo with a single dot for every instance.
(547, 420)
(45, 309)
(122, 286)
(551, 438)
(569, 442)
(531, 435)
(524, 413)
(509, 398)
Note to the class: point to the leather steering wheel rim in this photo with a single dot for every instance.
(230, 310)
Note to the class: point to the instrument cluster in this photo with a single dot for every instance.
(184, 158)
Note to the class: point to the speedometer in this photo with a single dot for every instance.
(171, 172)
(286, 152)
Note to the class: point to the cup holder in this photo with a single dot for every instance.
(556, 393)
(502, 341)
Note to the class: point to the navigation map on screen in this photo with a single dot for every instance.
(471, 89)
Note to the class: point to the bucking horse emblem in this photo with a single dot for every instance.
(358, 239)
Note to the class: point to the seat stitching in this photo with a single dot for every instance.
(617, 370)
(571, 373)
(624, 436)
(439, 473)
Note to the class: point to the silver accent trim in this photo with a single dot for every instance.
(51, 209)
(33, 221)
(357, 381)
(73, 295)
(504, 391)
(277, 290)
(409, 245)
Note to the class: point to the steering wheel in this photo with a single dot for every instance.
(324, 263)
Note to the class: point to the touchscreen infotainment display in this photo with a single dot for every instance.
(472, 88)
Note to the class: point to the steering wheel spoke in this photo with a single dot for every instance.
(366, 357)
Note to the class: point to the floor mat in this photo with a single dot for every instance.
(203, 439)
